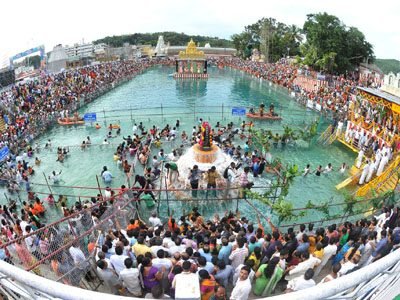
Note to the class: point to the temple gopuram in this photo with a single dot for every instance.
(191, 63)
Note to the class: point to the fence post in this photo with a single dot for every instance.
(98, 185)
(104, 114)
(166, 193)
(131, 113)
(47, 183)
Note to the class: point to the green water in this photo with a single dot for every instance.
(155, 98)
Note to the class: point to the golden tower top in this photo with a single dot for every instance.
(191, 52)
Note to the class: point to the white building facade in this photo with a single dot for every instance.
(391, 84)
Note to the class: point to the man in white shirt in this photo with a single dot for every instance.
(108, 276)
(302, 282)
(229, 176)
(161, 261)
(30, 241)
(239, 254)
(134, 128)
(167, 241)
(130, 278)
(23, 225)
(242, 287)
(329, 251)
(178, 247)
(154, 220)
(349, 265)
(117, 260)
(309, 262)
(55, 177)
(76, 254)
(186, 284)
(236, 273)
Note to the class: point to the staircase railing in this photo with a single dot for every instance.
(325, 134)
(378, 181)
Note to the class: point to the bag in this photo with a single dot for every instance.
(226, 173)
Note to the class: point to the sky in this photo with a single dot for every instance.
(26, 23)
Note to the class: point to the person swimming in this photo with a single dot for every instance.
(343, 168)
(318, 171)
(328, 168)
(55, 177)
(307, 170)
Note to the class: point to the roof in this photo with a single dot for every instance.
(382, 94)
(371, 67)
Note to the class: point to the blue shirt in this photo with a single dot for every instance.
(379, 246)
(107, 176)
(224, 253)
(209, 267)
(223, 276)
(207, 256)
(303, 247)
(252, 246)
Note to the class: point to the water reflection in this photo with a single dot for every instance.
(191, 89)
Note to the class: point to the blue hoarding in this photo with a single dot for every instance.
(90, 117)
(4, 152)
(238, 111)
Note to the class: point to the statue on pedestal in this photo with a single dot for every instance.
(206, 138)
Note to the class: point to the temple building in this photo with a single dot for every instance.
(191, 63)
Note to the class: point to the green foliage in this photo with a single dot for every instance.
(324, 208)
(388, 65)
(310, 205)
(321, 207)
(290, 173)
(309, 132)
(284, 210)
(261, 137)
(274, 39)
(332, 46)
(242, 44)
(174, 38)
(375, 202)
(327, 61)
(350, 202)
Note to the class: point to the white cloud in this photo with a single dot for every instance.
(26, 23)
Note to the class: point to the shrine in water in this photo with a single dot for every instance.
(191, 63)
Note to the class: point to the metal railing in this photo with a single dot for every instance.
(375, 281)
(370, 282)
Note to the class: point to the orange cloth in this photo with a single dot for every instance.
(171, 226)
(38, 207)
(133, 226)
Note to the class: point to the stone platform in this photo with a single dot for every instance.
(205, 157)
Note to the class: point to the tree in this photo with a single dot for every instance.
(331, 46)
(271, 37)
(173, 38)
(242, 43)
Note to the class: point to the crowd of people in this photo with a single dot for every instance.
(135, 149)
(28, 108)
(191, 257)
(376, 137)
(226, 257)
